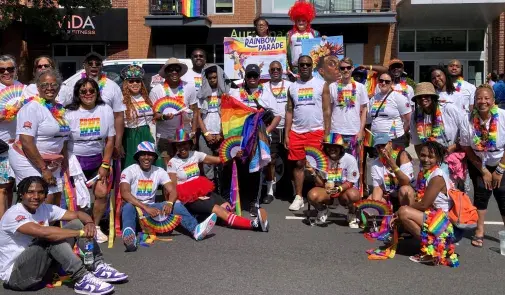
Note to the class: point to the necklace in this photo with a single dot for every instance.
(346, 97)
(57, 111)
(422, 179)
(280, 90)
(180, 91)
(484, 139)
(430, 131)
(244, 96)
(459, 81)
(404, 88)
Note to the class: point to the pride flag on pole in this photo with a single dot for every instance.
(191, 8)
(233, 115)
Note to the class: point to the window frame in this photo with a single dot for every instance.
(225, 13)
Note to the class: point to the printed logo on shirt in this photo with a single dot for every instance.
(143, 107)
(145, 188)
(191, 170)
(305, 94)
(20, 218)
(301, 37)
(42, 223)
(407, 105)
(123, 176)
(213, 104)
(378, 106)
(198, 82)
(335, 175)
(89, 127)
(27, 125)
(283, 95)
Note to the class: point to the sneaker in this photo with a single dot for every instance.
(322, 216)
(205, 227)
(261, 222)
(353, 221)
(268, 199)
(297, 204)
(91, 285)
(107, 273)
(253, 210)
(130, 239)
(100, 236)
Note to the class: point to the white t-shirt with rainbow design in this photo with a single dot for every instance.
(193, 78)
(144, 183)
(186, 169)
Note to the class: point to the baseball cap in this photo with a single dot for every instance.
(381, 138)
(252, 68)
(93, 55)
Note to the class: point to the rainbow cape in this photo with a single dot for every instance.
(233, 115)
(191, 8)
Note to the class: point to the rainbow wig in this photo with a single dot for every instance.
(302, 10)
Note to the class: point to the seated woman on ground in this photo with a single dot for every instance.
(138, 190)
(392, 172)
(426, 218)
(195, 191)
(342, 176)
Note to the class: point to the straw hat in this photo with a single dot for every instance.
(395, 61)
(334, 138)
(173, 61)
(425, 88)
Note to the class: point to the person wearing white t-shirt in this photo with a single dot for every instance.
(196, 192)
(42, 132)
(465, 89)
(194, 75)
(304, 123)
(345, 105)
(486, 156)
(168, 120)
(138, 186)
(110, 93)
(339, 181)
(446, 90)
(391, 171)
(30, 246)
(91, 140)
(40, 64)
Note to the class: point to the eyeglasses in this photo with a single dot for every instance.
(8, 69)
(275, 69)
(95, 63)
(384, 81)
(46, 85)
(45, 66)
(305, 65)
(198, 56)
(133, 81)
(252, 75)
(173, 69)
(346, 68)
(86, 91)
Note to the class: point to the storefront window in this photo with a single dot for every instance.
(407, 41)
(78, 50)
(476, 72)
(224, 6)
(444, 40)
(282, 5)
(476, 40)
(408, 67)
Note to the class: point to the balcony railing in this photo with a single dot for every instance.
(172, 7)
(351, 6)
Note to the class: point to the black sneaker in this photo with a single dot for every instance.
(253, 211)
(268, 199)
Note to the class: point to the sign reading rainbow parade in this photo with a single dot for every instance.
(239, 52)
(317, 48)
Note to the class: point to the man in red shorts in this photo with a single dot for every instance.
(304, 122)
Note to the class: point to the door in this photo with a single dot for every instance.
(68, 66)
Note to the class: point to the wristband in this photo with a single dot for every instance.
(499, 170)
(396, 169)
(105, 166)
(170, 203)
(81, 233)
(106, 162)
(206, 133)
(501, 165)
(339, 189)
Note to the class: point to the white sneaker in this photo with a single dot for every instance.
(297, 204)
(322, 216)
(205, 227)
(91, 285)
(100, 236)
(353, 221)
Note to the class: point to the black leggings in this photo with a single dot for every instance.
(482, 195)
(204, 207)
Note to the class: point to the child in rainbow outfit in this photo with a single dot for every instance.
(139, 183)
(339, 181)
(302, 13)
(196, 192)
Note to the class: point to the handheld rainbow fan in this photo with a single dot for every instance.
(382, 208)
(317, 159)
(10, 94)
(229, 148)
(159, 224)
(169, 103)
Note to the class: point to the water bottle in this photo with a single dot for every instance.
(88, 253)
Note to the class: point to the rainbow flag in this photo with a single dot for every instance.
(234, 194)
(191, 8)
(69, 201)
(368, 140)
(233, 115)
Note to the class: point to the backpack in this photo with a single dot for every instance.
(463, 214)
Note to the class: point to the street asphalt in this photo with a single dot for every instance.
(294, 258)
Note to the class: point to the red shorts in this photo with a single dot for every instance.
(298, 142)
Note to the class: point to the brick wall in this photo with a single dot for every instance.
(120, 3)
(245, 12)
(139, 35)
(382, 35)
(498, 44)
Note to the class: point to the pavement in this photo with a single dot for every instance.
(294, 258)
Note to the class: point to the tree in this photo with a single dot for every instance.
(46, 15)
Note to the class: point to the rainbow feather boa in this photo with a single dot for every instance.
(437, 236)
(483, 139)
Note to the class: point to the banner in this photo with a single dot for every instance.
(317, 48)
(239, 52)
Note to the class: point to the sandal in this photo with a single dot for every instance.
(424, 259)
(477, 241)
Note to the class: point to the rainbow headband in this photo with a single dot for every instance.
(169, 103)
(229, 148)
(317, 159)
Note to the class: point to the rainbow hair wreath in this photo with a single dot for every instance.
(302, 10)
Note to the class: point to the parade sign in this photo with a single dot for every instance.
(239, 52)
(317, 48)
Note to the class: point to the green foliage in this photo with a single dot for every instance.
(45, 14)
(411, 82)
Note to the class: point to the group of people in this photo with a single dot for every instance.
(76, 130)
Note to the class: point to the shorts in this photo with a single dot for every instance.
(90, 165)
(277, 144)
(205, 206)
(165, 148)
(298, 142)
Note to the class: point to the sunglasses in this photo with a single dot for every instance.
(46, 85)
(173, 69)
(134, 81)
(275, 69)
(253, 76)
(384, 81)
(8, 69)
(44, 66)
(95, 63)
(346, 68)
(86, 91)
(198, 56)
(305, 65)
